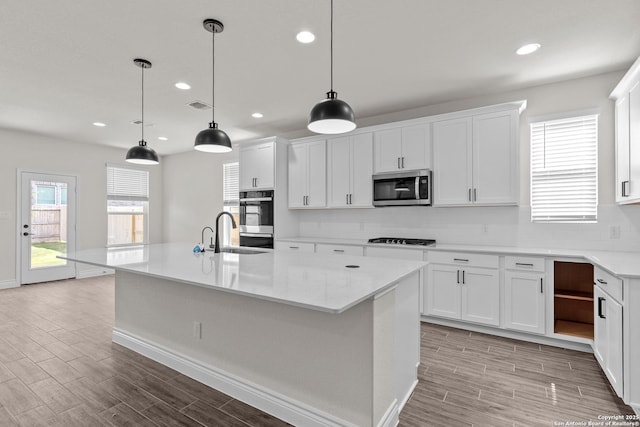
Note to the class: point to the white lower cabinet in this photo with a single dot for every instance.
(323, 248)
(463, 292)
(292, 246)
(524, 301)
(608, 336)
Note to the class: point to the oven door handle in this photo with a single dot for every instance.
(256, 234)
(258, 199)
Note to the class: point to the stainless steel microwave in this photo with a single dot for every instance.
(402, 188)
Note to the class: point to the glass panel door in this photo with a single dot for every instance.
(48, 226)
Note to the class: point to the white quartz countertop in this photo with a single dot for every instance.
(624, 264)
(309, 280)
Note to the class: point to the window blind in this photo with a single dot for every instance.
(127, 184)
(231, 184)
(564, 173)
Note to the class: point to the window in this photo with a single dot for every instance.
(127, 206)
(564, 172)
(45, 194)
(231, 194)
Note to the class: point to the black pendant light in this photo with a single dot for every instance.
(141, 154)
(331, 115)
(213, 140)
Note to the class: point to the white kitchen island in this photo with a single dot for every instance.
(308, 338)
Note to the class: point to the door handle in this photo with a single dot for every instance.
(463, 277)
(475, 194)
(458, 276)
(600, 301)
(541, 291)
(625, 190)
(26, 233)
(399, 163)
(469, 194)
(402, 162)
(350, 202)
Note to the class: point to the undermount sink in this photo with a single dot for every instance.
(243, 251)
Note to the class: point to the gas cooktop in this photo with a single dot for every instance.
(401, 241)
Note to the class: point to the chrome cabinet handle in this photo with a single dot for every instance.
(461, 260)
(338, 250)
(625, 188)
(541, 290)
(524, 264)
(469, 194)
(458, 276)
(350, 201)
(463, 277)
(399, 163)
(475, 194)
(402, 162)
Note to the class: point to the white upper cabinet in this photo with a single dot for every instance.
(495, 158)
(405, 148)
(257, 165)
(307, 174)
(452, 158)
(475, 160)
(349, 171)
(627, 147)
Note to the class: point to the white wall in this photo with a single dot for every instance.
(503, 225)
(36, 153)
(192, 196)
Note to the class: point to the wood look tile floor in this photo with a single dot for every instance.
(58, 367)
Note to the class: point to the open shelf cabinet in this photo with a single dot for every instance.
(573, 299)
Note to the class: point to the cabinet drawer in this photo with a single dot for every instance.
(608, 283)
(462, 258)
(395, 253)
(524, 263)
(295, 246)
(339, 249)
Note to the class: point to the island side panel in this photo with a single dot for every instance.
(407, 337)
(321, 360)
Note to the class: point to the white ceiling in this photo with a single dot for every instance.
(67, 63)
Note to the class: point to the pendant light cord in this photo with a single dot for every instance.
(213, 75)
(331, 45)
(142, 103)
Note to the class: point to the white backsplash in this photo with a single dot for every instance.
(502, 226)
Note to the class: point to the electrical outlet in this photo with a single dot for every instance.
(614, 232)
(197, 330)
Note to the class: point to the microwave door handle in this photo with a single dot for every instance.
(417, 188)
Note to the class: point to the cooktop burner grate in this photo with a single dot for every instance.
(402, 241)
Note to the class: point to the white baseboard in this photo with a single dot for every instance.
(94, 272)
(283, 407)
(538, 339)
(8, 284)
(391, 418)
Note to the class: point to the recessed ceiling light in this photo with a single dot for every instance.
(163, 138)
(99, 124)
(183, 86)
(528, 48)
(305, 37)
(257, 115)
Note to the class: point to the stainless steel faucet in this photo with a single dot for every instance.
(233, 224)
(202, 237)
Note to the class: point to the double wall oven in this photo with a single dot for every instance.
(256, 218)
